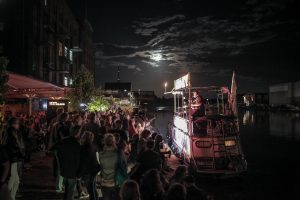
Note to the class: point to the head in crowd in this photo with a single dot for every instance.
(118, 124)
(76, 131)
(188, 180)
(142, 145)
(176, 192)
(151, 183)
(110, 141)
(59, 111)
(14, 122)
(153, 135)
(117, 137)
(158, 138)
(87, 138)
(78, 120)
(130, 191)
(150, 144)
(84, 115)
(180, 173)
(92, 117)
(139, 128)
(145, 134)
(64, 117)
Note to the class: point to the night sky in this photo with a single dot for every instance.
(154, 41)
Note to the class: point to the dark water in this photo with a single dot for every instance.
(271, 144)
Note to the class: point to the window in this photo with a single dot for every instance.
(60, 49)
(45, 2)
(66, 51)
(66, 81)
(70, 81)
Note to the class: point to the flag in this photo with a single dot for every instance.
(233, 103)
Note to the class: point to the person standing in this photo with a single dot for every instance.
(94, 127)
(58, 131)
(109, 160)
(4, 172)
(68, 155)
(89, 166)
(16, 152)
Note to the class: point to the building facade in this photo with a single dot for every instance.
(43, 39)
(285, 93)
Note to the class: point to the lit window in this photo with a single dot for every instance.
(45, 2)
(66, 81)
(66, 51)
(60, 49)
(71, 56)
(70, 81)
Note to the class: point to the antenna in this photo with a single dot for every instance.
(118, 75)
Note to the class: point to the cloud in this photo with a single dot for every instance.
(146, 32)
(179, 43)
(157, 22)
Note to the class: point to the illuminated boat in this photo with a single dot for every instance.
(209, 144)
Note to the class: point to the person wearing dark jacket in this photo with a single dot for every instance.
(193, 192)
(16, 152)
(89, 166)
(94, 127)
(68, 154)
(58, 131)
(4, 173)
(147, 160)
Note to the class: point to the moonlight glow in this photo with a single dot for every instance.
(157, 57)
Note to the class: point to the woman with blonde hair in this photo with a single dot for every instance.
(111, 161)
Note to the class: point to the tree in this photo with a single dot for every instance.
(3, 78)
(98, 103)
(83, 88)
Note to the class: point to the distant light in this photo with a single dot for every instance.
(82, 105)
(45, 106)
(166, 84)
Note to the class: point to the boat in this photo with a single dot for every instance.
(208, 144)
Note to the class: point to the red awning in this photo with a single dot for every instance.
(24, 87)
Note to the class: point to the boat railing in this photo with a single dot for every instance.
(222, 127)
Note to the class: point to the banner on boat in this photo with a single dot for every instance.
(181, 135)
(182, 82)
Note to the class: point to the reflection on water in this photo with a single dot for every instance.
(161, 122)
(271, 144)
(286, 125)
(248, 117)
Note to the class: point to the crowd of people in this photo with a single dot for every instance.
(99, 155)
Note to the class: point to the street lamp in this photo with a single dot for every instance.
(166, 85)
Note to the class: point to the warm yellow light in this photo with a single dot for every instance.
(166, 84)
(230, 143)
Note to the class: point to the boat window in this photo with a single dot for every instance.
(203, 144)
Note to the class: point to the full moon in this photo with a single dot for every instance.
(157, 57)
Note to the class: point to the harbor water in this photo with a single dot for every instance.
(271, 144)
